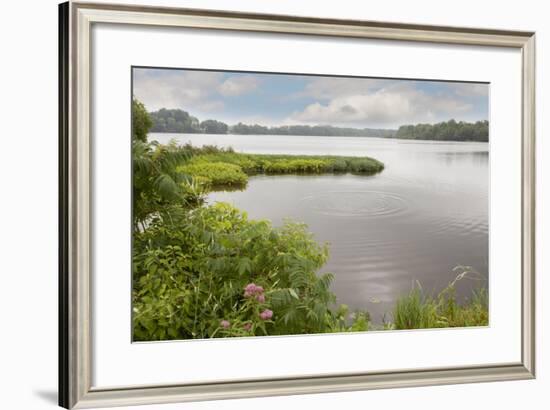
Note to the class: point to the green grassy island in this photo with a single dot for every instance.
(226, 169)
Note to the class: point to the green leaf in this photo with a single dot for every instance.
(244, 266)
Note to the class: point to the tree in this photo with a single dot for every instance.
(157, 183)
(213, 127)
(446, 131)
(176, 120)
(141, 121)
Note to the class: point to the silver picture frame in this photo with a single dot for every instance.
(75, 333)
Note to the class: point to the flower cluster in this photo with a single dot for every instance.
(253, 290)
(266, 314)
(225, 324)
(257, 292)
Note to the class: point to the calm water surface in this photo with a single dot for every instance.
(426, 213)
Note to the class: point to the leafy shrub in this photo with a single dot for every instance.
(190, 278)
(157, 184)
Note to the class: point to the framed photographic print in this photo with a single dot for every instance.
(256, 205)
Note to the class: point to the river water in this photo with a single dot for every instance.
(425, 214)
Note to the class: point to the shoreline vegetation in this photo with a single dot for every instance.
(225, 169)
(206, 271)
(179, 121)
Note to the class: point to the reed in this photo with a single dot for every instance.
(416, 310)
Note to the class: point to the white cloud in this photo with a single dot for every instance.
(234, 86)
(188, 90)
(194, 91)
(209, 106)
(390, 106)
(324, 88)
(470, 89)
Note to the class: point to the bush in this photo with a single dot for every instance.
(193, 279)
(157, 185)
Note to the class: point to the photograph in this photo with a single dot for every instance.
(301, 202)
(272, 204)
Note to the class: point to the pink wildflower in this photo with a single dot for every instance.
(250, 290)
(247, 326)
(266, 314)
(260, 298)
(225, 324)
(253, 290)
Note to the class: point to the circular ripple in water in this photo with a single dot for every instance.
(356, 203)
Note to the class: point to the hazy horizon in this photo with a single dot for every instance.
(289, 99)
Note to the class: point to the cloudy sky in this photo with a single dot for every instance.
(277, 99)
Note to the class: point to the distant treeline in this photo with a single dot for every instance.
(317, 130)
(446, 131)
(179, 121)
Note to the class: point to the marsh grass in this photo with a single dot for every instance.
(224, 168)
(217, 174)
(417, 310)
